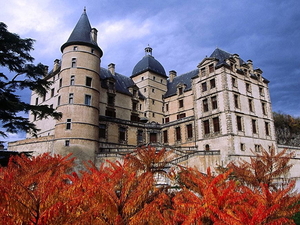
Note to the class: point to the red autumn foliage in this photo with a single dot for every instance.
(44, 190)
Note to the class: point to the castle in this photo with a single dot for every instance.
(218, 112)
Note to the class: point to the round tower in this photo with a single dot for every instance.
(78, 95)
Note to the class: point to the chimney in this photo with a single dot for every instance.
(111, 68)
(172, 75)
(250, 64)
(56, 64)
(46, 70)
(237, 60)
(94, 32)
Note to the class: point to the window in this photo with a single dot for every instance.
(134, 106)
(111, 100)
(248, 87)
(233, 81)
(142, 78)
(152, 90)
(153, 77)
(205, 105)
(216, 124)
(52, 92)
(239, 123)
(211, 68)
(102, 131)
(44, 97)
(122, 134)
(72, 80)
(51, 106)
(242, 146)
(189, 129)
(236, 101)
(88, 81)
(250, 105)
(140, 136)
(92, 51)
(67, 143)
(214, 103)
(180, 103)
(110, 112)
(68, 125)
(180, 116)
(165, 133)
(204, 87)
(58, 100)
(257, 148)
(75, 48)
(71, 97)
(145, 89)
(261, 91)
(87, 99)
(36, 101)
(153, 114)
(180, 91)
(267, 128)
(153, 137)
(254, 130)
(167, 107)
(73, 63)
(203, 72)
(264, 108)
(153, 102)
(212, 83)
(167, 120)
(206, 126)
(60, 82)
(178, 133)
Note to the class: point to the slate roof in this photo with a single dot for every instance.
(185, 79)
(222, 56)
(148, 63)
(122, 83)
(82, 34)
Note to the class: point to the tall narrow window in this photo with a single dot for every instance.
(140, 136)
(236, 101)
(68, 125)
(212, 83)
(267, 128)
(203, 72)
(211, 68)
(52, 92)
(180, 91)
(60, 82)
(254, 130)
(44, 97)
(178, 133)
(239, 123)
(214, 103)
(216, 124)
(189, 129)
(167, 107)
(261, 91)
(206, 126)
(58, 100)
(111, 100)
(36, 101)
(250, 102)
(88, 81)
(257, 148)
(73, 63)
(264, 108)
(205, 105)
(122, 134)
(72, 80)
(204, 87)
(67, 143)
(233, 82)
(165, 133)
(87, 99)
(248, 87)
(102, 131)
(75, 48)
(180, 103)
(71, 98)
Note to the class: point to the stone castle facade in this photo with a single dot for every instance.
(218, 112)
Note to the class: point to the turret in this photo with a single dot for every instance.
(78, 130)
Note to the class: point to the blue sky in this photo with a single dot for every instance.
(181, 34)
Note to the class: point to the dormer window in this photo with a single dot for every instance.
(203, 72)
(180, 90)
(211, 68)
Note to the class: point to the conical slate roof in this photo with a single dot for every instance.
(148, 63)
(81, 34)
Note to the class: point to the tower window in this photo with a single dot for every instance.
(92, 51)
(204, 87)
(71, 98)
(67, 143)
(102, 131)
(236, 101)
(205, 105)
(75, 48)
(88, 81)
(68, 125)
(206, 126)
(87, 99)
(73, 63)
(212, 83)
(214, 103)
(216, 124)
(60, 82)
(58, 100)
(72, 80)
(254, 130)
(267, 128)
(239, 123)
(250, 105)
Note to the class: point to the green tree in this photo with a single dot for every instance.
(15, 56)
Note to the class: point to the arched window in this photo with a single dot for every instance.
(207, 148)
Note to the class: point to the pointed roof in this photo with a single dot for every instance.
(81, 34)
(222, 56)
